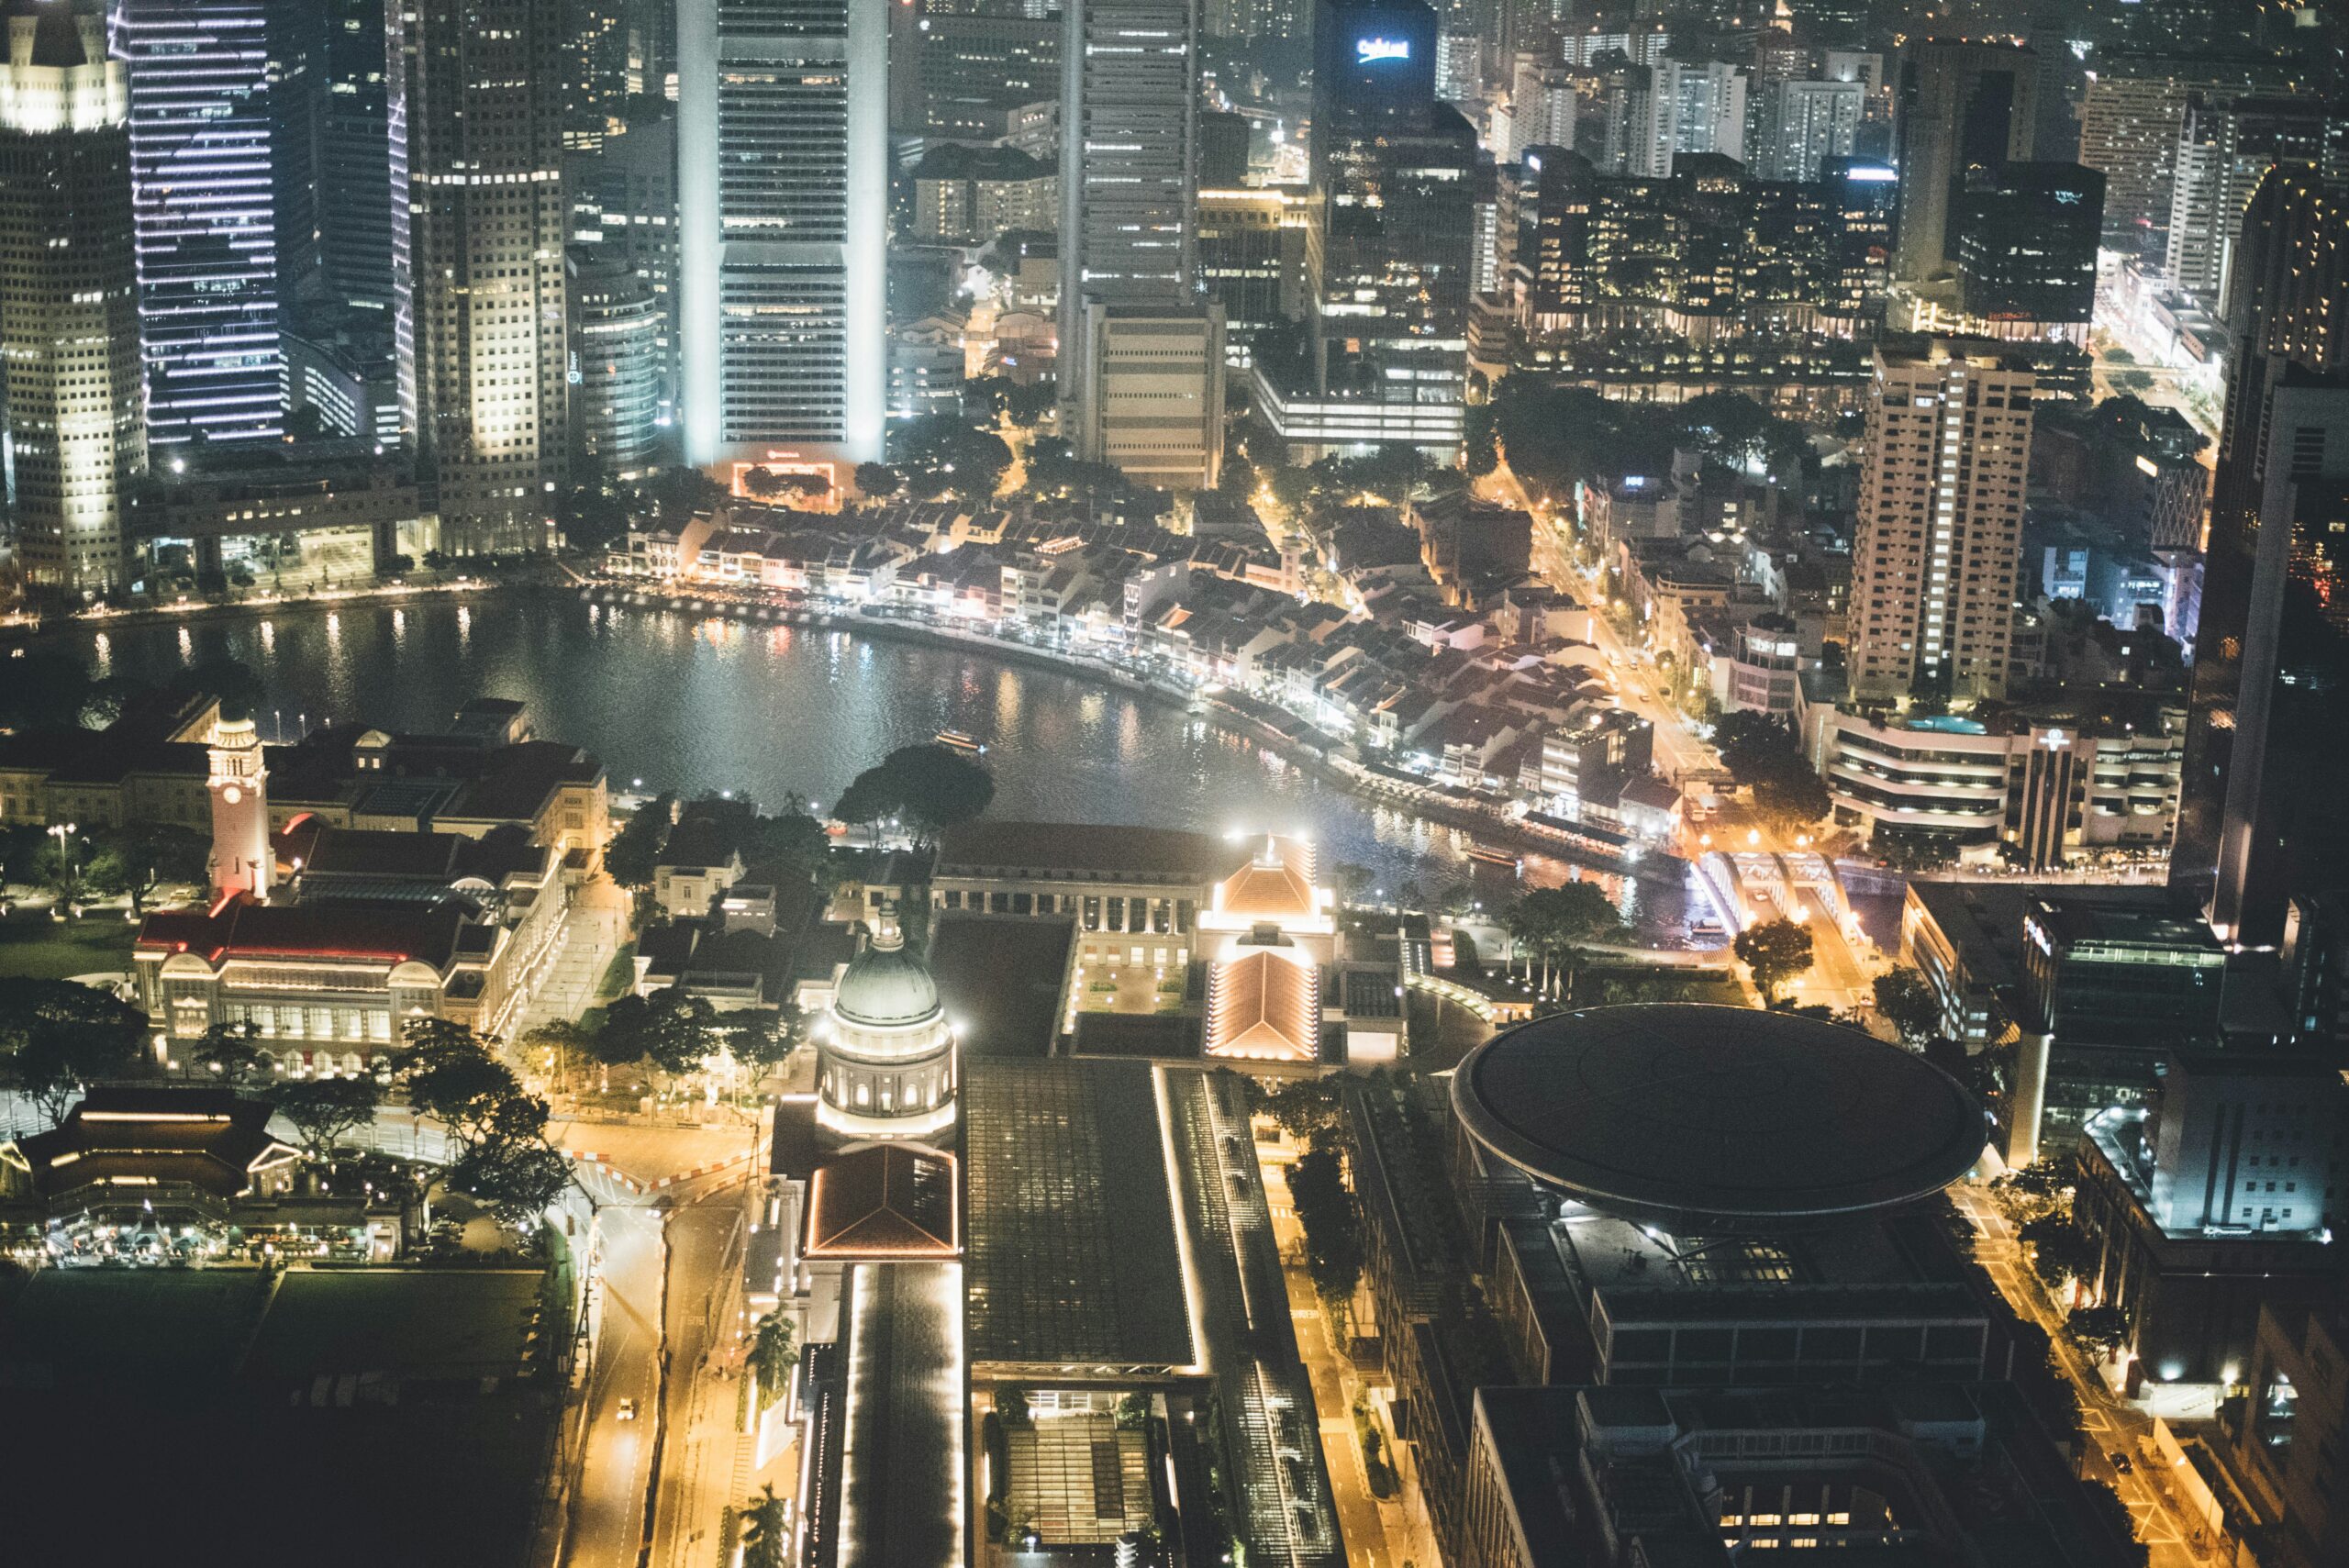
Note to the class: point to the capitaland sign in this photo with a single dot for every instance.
(1370, 50)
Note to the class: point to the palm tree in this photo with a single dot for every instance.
(766, 1536)
(772, 1350)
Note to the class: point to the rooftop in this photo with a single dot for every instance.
(1704, 1117)
(1001, 979)
(885, 1201)
(1081, 848)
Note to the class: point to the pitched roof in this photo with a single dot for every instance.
(1266, 1006)
(885, 1201)
(376, 932)
(1276, 885)
(201, 1137)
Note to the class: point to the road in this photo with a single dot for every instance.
(1838, 976)
(2112, 1425)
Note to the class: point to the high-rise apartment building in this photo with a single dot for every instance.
(782, 204)
(1940, 534)
(2258, 815)
(354, 193)
(1129, 181)
(2130, 120)
(1673, 107)
(477, 235)
(1961, 106)
(203, 200)
(2225, 146)
(69, 306)
(1801, 123)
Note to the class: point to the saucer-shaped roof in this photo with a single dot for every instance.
(886, 987)
(1702, 1119)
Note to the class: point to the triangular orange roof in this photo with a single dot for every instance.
(1276, 885)
(883, 1201)
(1264, 1007)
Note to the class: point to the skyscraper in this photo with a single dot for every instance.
(619, 338)
(1963, 106)
(782, 196)
(2258, 806)
(69, 306)
(204, 194)
(2024, 239)
(1940, 533)
(1129, 173)
(1387, 259)
(2225, 144)
(2129, 125)
(477, 233)
(354, 158)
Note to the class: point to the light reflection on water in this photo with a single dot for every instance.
(699, 705)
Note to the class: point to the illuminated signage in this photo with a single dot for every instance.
(1370, 50)
(1871, 174)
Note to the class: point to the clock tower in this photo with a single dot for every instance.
(241, 859)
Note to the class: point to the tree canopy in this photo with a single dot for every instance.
(940, 454)
(56, 1036)
(1775, 950)
(673, 1030)
(1907, 1000)
(927, 787)
(628, 858)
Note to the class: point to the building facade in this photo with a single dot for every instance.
(1962, 105)
(69, 296)
(781, 208)
(478, 221)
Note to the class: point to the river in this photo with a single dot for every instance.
(697, 705)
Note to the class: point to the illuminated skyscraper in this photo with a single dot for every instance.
(1128, 174)
(781, 200)
(203, 184)
(1963, 106)
(354, 162)
(1940, 533)
(69, 306)
(477, 233)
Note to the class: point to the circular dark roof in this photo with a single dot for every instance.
(1698, 1118)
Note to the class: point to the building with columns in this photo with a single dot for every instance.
(885, 1064)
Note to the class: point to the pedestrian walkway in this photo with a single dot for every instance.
(592, 933)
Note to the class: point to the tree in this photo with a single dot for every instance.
(635, 848)
(2059, 1254)
(773, 1352)
(1775, 950)
(230, 1053)
(878, 481)
(1558, 923)
(140, 857)
(2103, 1330)
(591, 518)
(762, 481)
(1907, 1000)
(1791, 797)
(1307, 1109)
(673, 1030)
(1332, 1226)
(517, 1180)
(450, 1075)
(57, 1036)
(929, 786)
(325, 1109)
(1753, 744)
(942, 455)
(766, 1531)
(756, 1038)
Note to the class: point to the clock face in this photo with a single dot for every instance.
(233, 795)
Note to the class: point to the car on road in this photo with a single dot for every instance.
(2120, 1465)
(628, 1410)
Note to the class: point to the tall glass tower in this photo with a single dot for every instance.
(204, 215)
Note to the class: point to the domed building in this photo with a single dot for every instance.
(886, 1055)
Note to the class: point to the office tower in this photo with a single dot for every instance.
(1389, 258)
(1128, 162)
(203, 195)
(2258, 811)
(596, 86)
(618, 341)
(354, 191)
(1939, 531)
(1155, 378)
(651, 30)
(2130, 121)
(1963, 106)
(1223, 149)
(1864, 202)
(1802, 123)
(624, 195)
(2225, 144)
(1460, 68)
(2026, 239)
(68, 305)
(477, 232)
(782, 196)
(957, 77)
(1251, 261)
(297, 103)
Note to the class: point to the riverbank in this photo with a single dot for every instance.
(195, 612)
(1327, 764)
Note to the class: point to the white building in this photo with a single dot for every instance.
(885, 1054)
(1803, 122)
(782, 207)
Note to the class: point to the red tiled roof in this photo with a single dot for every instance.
(886, 1200)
